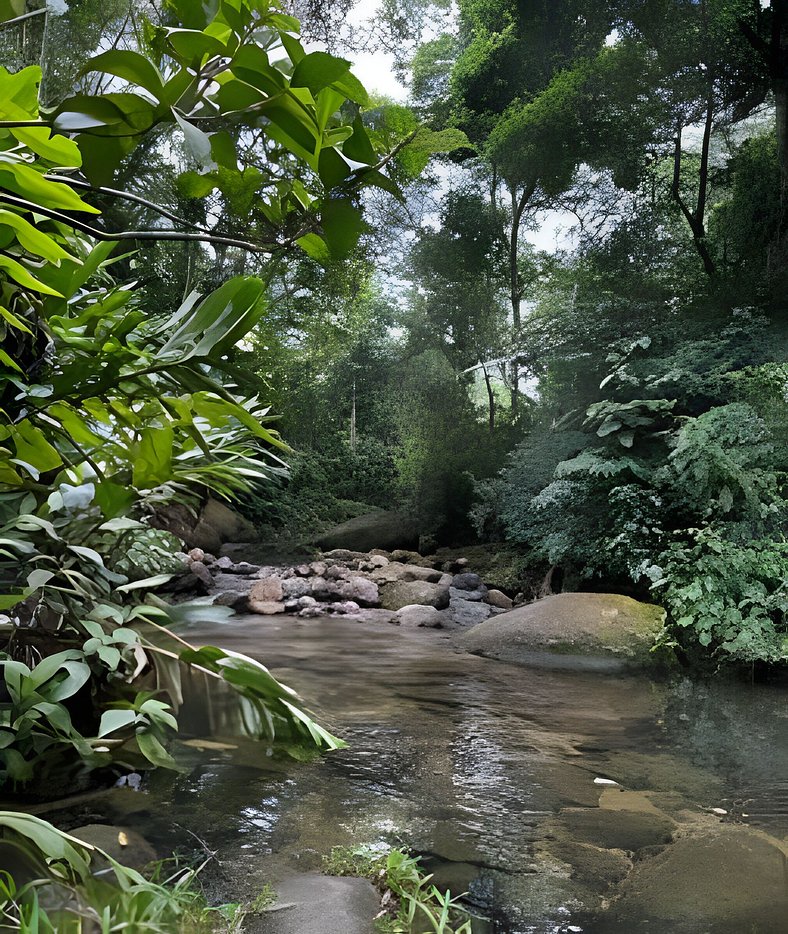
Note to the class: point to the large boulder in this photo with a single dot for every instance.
(406, 593)
(598, 631)
(379, 529)
(215, 525)
(721, 878)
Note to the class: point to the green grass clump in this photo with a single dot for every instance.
(410, 904)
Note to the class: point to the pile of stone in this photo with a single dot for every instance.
(399, 586)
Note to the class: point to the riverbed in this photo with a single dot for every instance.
(542, 794)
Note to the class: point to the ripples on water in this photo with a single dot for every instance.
(466, 760)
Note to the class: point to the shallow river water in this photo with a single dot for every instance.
(501, 776)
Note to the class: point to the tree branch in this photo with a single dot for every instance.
(156, 235)
(127, 196)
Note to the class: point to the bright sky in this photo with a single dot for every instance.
(374, 70)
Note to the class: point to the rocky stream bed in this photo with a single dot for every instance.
(565, 797)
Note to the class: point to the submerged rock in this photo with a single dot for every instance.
(719, 875)
(586, 630)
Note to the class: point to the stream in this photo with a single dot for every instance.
(500, 776)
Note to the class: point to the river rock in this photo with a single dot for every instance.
(721, 875)
(390, 572)
(405, 593)
(406, 557)
(378, 560)
(414, 572)
(200, 578)
(360, 589)
(222, 564)
(196, 554)
(379, 529)
(312, 903)
(268, 590)
(266, 607)
(303, 570)
(337, 572)
(415, 616)
(468, 612)
(318, 568)
(244, 568)
(476, 595)
(345, 555)
(294, 587)
(597, 631)
(498, 598)
(239, 602)
(467, 581)
(345, 606)
(323, 589)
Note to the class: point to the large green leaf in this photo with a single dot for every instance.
(153, 458)
(319, 70)
(219, 321)
(129, 65)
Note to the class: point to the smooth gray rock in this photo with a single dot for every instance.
(477, 595)
(468, 612)
(498, 599)
(360, 589)
(314, 904)
(467, 581)
(412, 617)
(405, 593)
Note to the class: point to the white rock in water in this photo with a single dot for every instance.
(606, 781)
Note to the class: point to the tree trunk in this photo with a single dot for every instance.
(490, 396)
(696, 219)
(516, 287)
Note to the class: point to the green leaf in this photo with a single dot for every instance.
(192, 45)
(129, 65)
(25, 181)
(197, 142)
(318, 70)
(155, 753)
(21, 275)
(153, 458)
(59, 150)
(219, 321)
(33, 448)
(342, 226)
(112, 720)
(147, 584)
(33, 239)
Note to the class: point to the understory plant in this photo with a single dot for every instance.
(411, 904)
(111, 408)
(680, 496)
(64, 885)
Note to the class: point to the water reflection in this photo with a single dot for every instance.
(483, 767)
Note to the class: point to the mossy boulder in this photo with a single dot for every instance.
(597, 631)
(379, 529)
